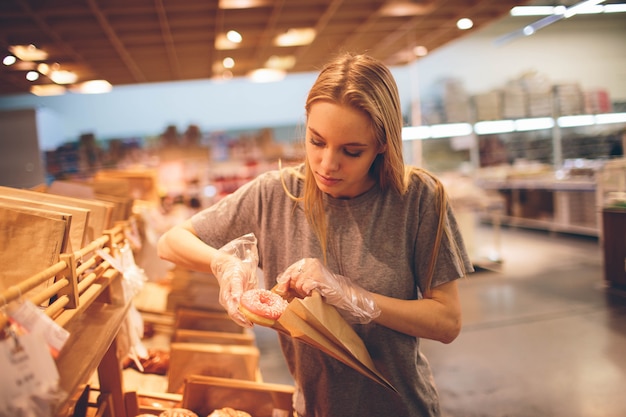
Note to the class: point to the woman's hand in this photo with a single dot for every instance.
(235, 267)
(354, 303)
(234, 277)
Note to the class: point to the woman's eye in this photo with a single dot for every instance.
(316, 143)
(354, 154)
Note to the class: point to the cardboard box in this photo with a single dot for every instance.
(203, 395)
(224, 361)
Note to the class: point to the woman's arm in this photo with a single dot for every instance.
(182, 246)
(437, 316)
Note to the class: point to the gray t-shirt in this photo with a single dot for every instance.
(380, 240)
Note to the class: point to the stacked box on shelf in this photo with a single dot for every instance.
(568, 99)
(456, 101)
(193, 289)
(597, 101)
(205, 394)
(540, 104)
(488, 106)
(514, 101)
(224, 359)
(539, 90)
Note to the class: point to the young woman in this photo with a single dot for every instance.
(376, 238)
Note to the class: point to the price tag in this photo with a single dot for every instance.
(29, 375)
(28, 316)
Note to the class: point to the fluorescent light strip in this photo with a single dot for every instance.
(450, 130)
(615, 8)
(518, 11)
(578, 120)
(493, 127)
(532, 11)
(536, 123)
(415, 132)
(582, 7)
(610, 118)
(507, 126)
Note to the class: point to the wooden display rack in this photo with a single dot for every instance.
(89, 302)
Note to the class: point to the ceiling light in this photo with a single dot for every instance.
(234, 36)
(464, 23)
(398, 8)
(266, 75)
(420, 50)
(532, 11)
(281, 62)
(228, 62)
(63, 77)
(223, 43)
(32, 75)
(9, 60)
(295, 37)
(47, 90)
(93, 87)
(583, 7)
(615, 8)
(43, 68)
(28, 52)
(241, 4)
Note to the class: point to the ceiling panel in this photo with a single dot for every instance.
(143, 41)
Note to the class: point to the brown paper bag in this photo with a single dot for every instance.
(29, 243)
(313, 321)
(80, 216)
(52, 214)
(83, 195)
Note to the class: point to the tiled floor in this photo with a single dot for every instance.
(542, 337)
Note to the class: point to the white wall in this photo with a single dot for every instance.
(587, 50)
(590, 50)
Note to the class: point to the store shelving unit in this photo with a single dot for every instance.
(562, 197)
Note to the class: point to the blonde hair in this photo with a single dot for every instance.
(365, 84)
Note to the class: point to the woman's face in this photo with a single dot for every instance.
(340, 148)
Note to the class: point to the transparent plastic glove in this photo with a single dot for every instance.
(236, 271)
(355, 304)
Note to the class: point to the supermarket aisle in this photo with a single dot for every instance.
(542, 337)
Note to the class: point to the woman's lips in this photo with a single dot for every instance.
(327, 181)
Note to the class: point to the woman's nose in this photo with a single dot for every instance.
(330, 160)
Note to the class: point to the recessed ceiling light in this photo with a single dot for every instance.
(420, 50)
(9, 60)
(295, 37)
(266, 75)
(464, 23)
(63, 77)
(234, 36)
(223, 43)
(28, 52)
(32, 75)
(281, 62)
(241, 4)
(396, 8)
(92, 87)
(228, 62)
(47, 90)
